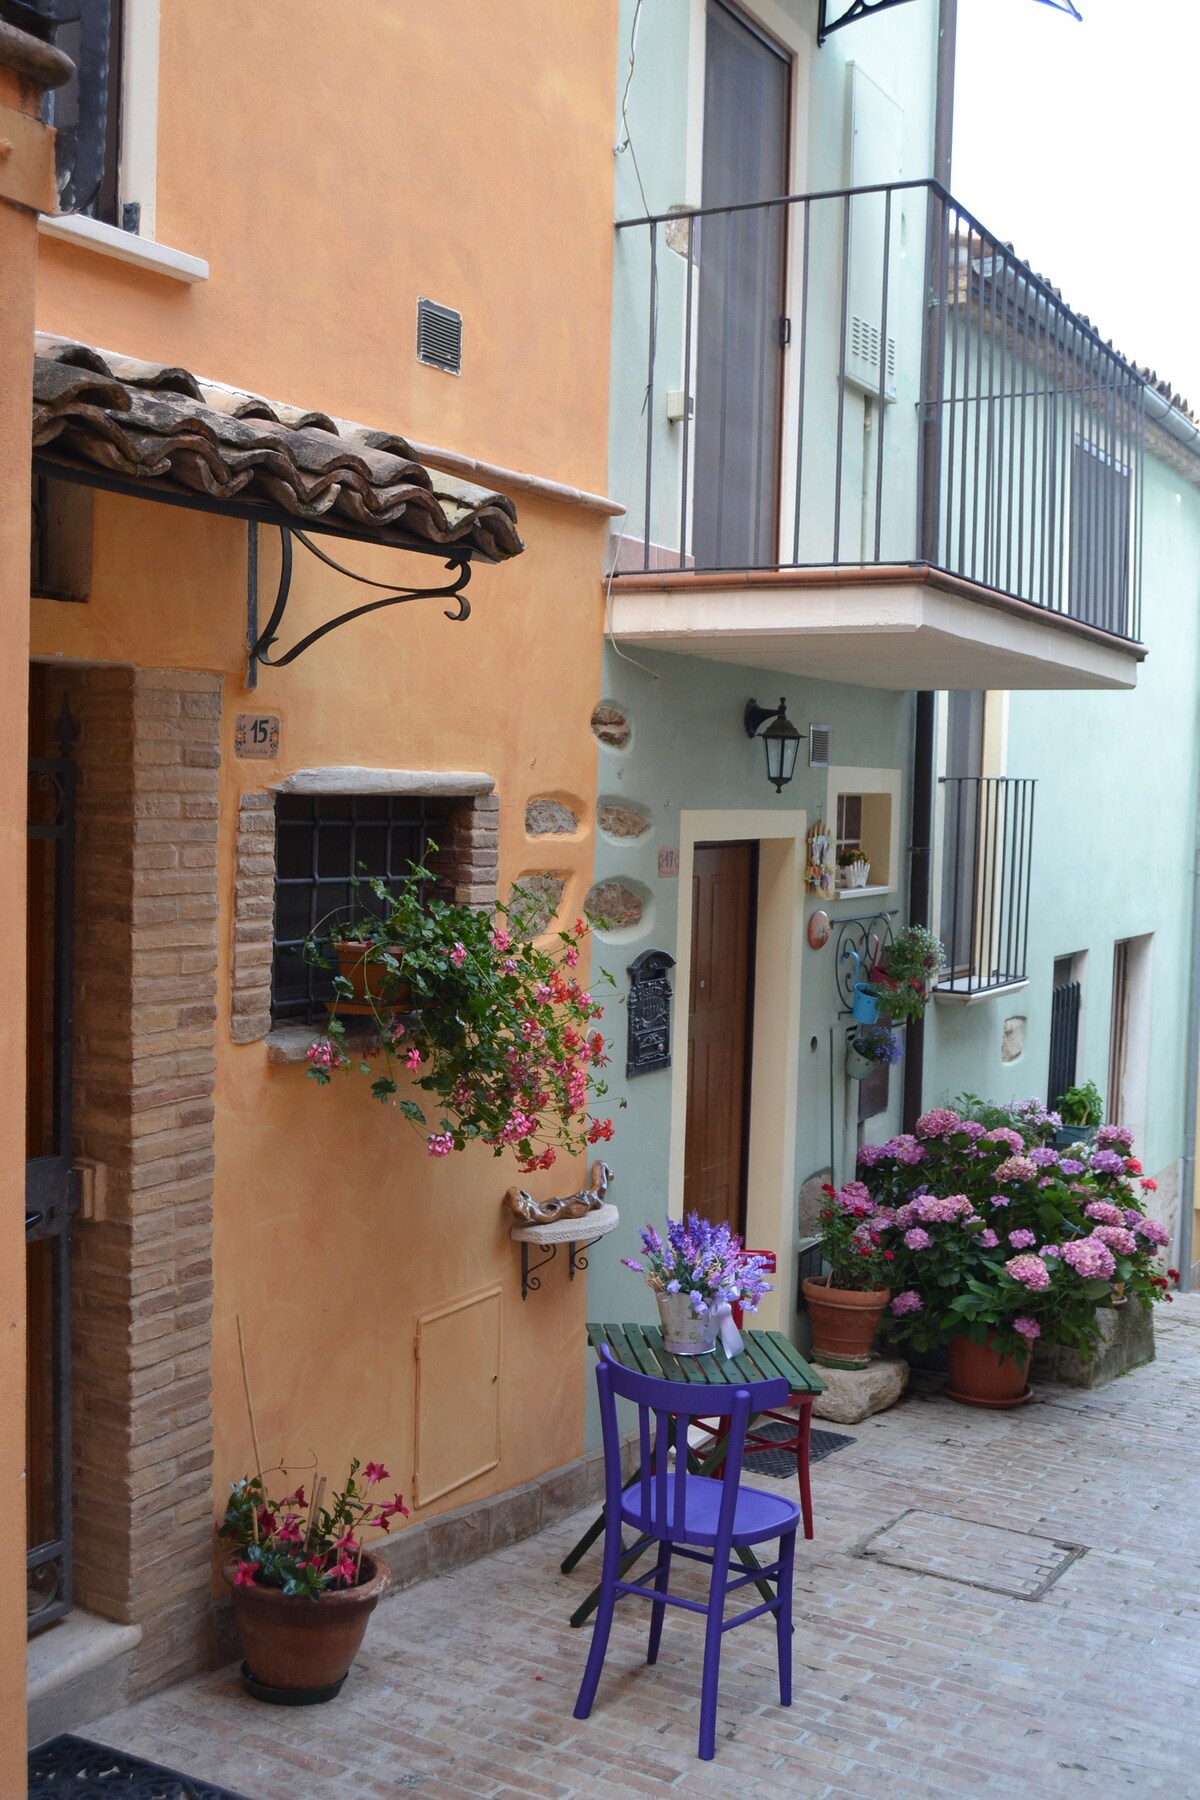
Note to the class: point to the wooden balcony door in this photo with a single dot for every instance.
(740, 268)
(724, 879)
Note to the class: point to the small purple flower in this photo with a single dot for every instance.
(1153, 1232)
(1070, 1165)
(1119, 1136)
(999, 1200)
(699, 1303)
(971, 1128)
(1022, 1240)
(1050, 1250)
(1043, 1156)
(1107, 1162)
(637, 1267)
(672, 1287)
(907, 1302)
(871, 1154)
(988, 1239)
(1003, 1134)
(916, 1239)
(1028, 1328)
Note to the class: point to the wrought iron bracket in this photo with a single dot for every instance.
(576, 1260)
(260, 643)
(850, 14)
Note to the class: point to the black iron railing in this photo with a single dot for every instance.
(867, 376)
(987, 860)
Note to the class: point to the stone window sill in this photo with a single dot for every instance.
(288, 1044)
(123, 246)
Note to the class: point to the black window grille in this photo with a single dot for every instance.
(1064, 1040)
(321, 843)
(987, 864)
(86, 111)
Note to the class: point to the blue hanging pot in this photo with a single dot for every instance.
(866, 1006)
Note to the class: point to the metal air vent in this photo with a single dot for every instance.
(439, 336)
(862, 358)
(818, 746)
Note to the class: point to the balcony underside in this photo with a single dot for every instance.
(899, 628)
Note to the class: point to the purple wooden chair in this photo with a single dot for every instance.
(683, 1511)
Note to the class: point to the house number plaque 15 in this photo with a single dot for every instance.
(649, 1044)
(256, 734)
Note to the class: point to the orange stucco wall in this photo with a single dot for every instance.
(17, 268)
(332, 165)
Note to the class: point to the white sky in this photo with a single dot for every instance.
(1078, 143)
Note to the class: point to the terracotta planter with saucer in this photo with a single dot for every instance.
(844, 1321)
(980, 1376)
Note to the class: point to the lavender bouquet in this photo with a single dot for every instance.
(698, 1271)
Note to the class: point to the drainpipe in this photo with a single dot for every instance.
(1187, 1186)
(919, 911)
(920, 864)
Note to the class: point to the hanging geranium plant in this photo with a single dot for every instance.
(467, 1007)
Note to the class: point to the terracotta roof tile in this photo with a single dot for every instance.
(148, 423)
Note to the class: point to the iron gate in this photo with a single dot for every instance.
(51, 1185)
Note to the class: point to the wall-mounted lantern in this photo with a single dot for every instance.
(780, 740)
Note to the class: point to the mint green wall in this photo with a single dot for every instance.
(689, 751)
(1115, 835)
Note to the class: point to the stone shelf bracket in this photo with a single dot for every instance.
(577, 1234)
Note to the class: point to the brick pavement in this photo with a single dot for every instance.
(909, 1685)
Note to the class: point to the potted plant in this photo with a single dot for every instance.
(1000, 1242)
(854, 869)
(698, 1273)
(466, 1006)
(1081, 1110)
(903, 976)
(302, 1583)
(845, 1306)
(870, 1045)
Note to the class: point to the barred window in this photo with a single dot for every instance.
(321, 842)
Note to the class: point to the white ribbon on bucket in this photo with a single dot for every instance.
(731, 1337)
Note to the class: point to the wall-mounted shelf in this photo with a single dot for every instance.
(577, 1234)
(862, 893)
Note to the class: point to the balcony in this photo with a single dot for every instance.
(874, 447)
(987, 865)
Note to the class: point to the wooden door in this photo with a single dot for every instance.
(740, 272)
(723, 894)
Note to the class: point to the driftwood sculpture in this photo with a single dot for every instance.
(528, 1211)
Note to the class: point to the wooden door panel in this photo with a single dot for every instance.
(722, 913)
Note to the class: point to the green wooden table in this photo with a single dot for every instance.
(765, 1356)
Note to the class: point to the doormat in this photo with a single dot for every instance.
(783, 1462)
(75, 1768)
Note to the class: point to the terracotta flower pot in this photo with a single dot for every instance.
(376, 989)
(980, 1376)
(300, 1647)
(844, 1321)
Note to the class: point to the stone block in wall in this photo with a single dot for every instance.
(544, 815)
(622, 820)
(611, 726)
(613, 904)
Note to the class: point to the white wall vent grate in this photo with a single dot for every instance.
(818, 746)
(439, 336)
